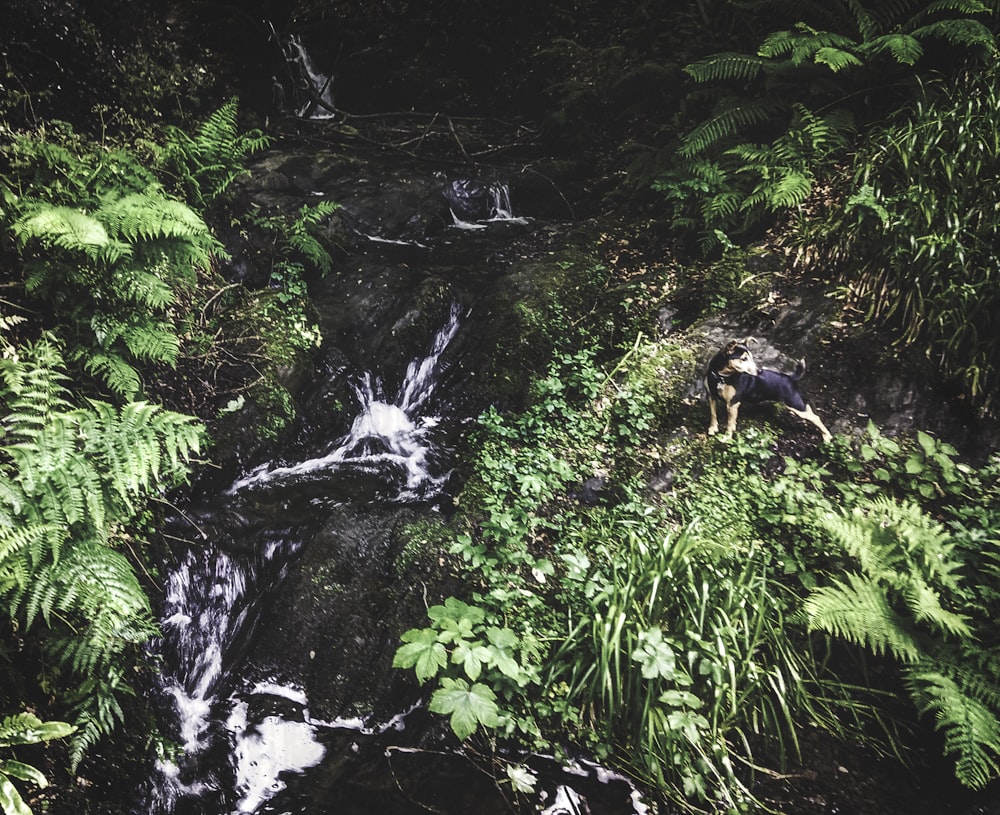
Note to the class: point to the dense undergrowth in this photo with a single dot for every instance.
(683, 631)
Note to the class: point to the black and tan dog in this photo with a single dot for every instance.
(734, 379)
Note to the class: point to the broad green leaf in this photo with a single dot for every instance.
(23, 772)
(467, 706)
(503, 641)
(502, 637)
(680, 698)
(26, 728)
(471, 656)
(654, 655)
(422, 652)
(11, 802)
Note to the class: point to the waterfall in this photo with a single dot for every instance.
(320, 103)
(498, 207)
(227, 751)
(211, 606)
(387, 437)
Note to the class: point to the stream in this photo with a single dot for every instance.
(263, 692)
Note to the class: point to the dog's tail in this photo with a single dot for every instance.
(800, 368)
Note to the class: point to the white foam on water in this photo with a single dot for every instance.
(265, 751)
(387, 437)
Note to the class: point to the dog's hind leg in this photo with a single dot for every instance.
(811, 417)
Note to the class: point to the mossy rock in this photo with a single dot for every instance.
(534, 309)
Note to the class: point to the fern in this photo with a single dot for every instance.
(301, 238)
(908, 561)
(96, 711)
(859, 611)
(897, 605)
(804, 43)
(971, 730)
(730, 120)
(142, 217)
(904, 48)
(117, 374)
(965, 33)
(108, 252)
(63, 228)
(836, 59)
(791, 70)
(206, 164)
(70, 477)
(725, 66)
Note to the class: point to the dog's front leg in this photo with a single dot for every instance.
(713, 425)
(732, 410)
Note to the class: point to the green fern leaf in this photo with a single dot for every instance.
(858, 611)
(835, 59)
(968, 33)
(150, 217)
(116, 373)
(905, 49)
(925, 605)
(802, 44)
(725, 66)
(155, 342)
(971, 731)
(730, 121)
(62, 227)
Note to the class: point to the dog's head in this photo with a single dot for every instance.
(738, 359)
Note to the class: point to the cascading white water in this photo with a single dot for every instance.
(210, 604)
(385, 437)
(213, 600)
(320, 84)
(500, 210)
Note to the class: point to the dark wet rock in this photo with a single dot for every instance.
(468, 200)
(337, 620)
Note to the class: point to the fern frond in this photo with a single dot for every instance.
(858, 611)
(962, 7)
(836, 59)
(116, 373)
(925, 604)
(155, 342)
(969, 33)
(62, 227)
(96, 711)
(25, 542)
(208, 162)
(904, 48)
(147, 290)
(971, 730)
(789, 189)
(725, 66)
(863, 19)
(801, 44)
(90, 582)
(732, 120)
(151, 217)
(91, 649)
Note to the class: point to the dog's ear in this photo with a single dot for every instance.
(730, 347)
(750, 342)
